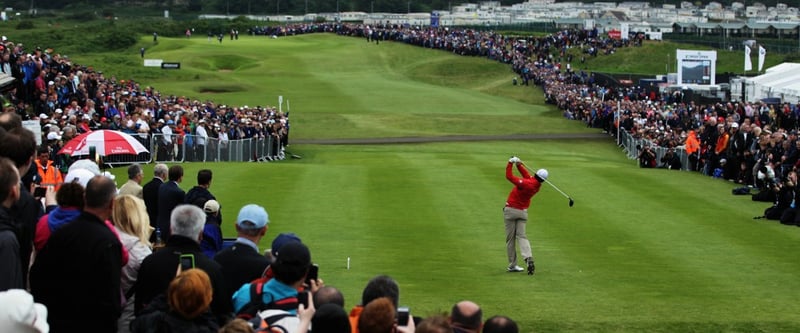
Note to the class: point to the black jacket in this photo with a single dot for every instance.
(150, 195)
(158, 319)
(169, 197)
(159, 269)
(26, 213)
(77, 276)
(241, 264)
(198, 194)
(11, 274)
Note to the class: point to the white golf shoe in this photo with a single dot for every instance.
(515, 268)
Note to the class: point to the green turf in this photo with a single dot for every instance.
(642, 250)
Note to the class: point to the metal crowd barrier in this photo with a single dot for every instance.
(190, 148)
(632, 146)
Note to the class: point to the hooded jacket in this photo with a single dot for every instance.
(51, 222)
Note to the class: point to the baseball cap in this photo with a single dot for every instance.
(254, 214)
(542, 173)
(282, 239)
(211, 206)
(734, 125)
(53, 136)
(19, 313)
(293, 254)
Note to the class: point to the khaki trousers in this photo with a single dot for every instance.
(515, 221)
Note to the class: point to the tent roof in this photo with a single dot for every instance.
(780, 79)
(732, 25)
(752, 25)
(784, 25)
(707, 25)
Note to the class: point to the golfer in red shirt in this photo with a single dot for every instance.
(515, 213)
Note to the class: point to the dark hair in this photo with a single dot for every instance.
(70, 195)
(100, 191)
(204, 177)
(330, 318)
(248, 228)
(500, 324)
(175, 172)
(43, 149)
(19, 145)
(9, 176)
(381, 286)
(134, 170)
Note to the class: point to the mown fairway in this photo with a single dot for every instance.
(642, 250)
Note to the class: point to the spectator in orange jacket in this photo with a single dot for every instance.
(48, 173)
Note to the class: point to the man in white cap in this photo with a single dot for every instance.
(515, 213)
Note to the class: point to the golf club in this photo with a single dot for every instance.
(571, 202)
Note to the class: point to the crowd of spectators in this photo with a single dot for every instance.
(110, 243)
(69, 99)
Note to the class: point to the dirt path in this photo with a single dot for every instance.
(452, 138)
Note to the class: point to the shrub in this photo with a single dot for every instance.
(115, 39)
(25, 25)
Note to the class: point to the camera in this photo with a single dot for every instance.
(302, 298)
(39, 192)
(187, 261)
(402, 316)
(313, 274)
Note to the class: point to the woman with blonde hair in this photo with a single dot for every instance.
(133, 226)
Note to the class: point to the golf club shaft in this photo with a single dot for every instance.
(557, 189)
(546, 181)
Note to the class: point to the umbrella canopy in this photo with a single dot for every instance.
(107, 142)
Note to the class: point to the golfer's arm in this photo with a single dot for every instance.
(523, 171)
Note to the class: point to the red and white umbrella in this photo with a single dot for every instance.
(106, 143)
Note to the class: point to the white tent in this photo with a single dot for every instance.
(781, 81)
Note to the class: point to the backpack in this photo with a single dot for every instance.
(275, 321)
(254, 308)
